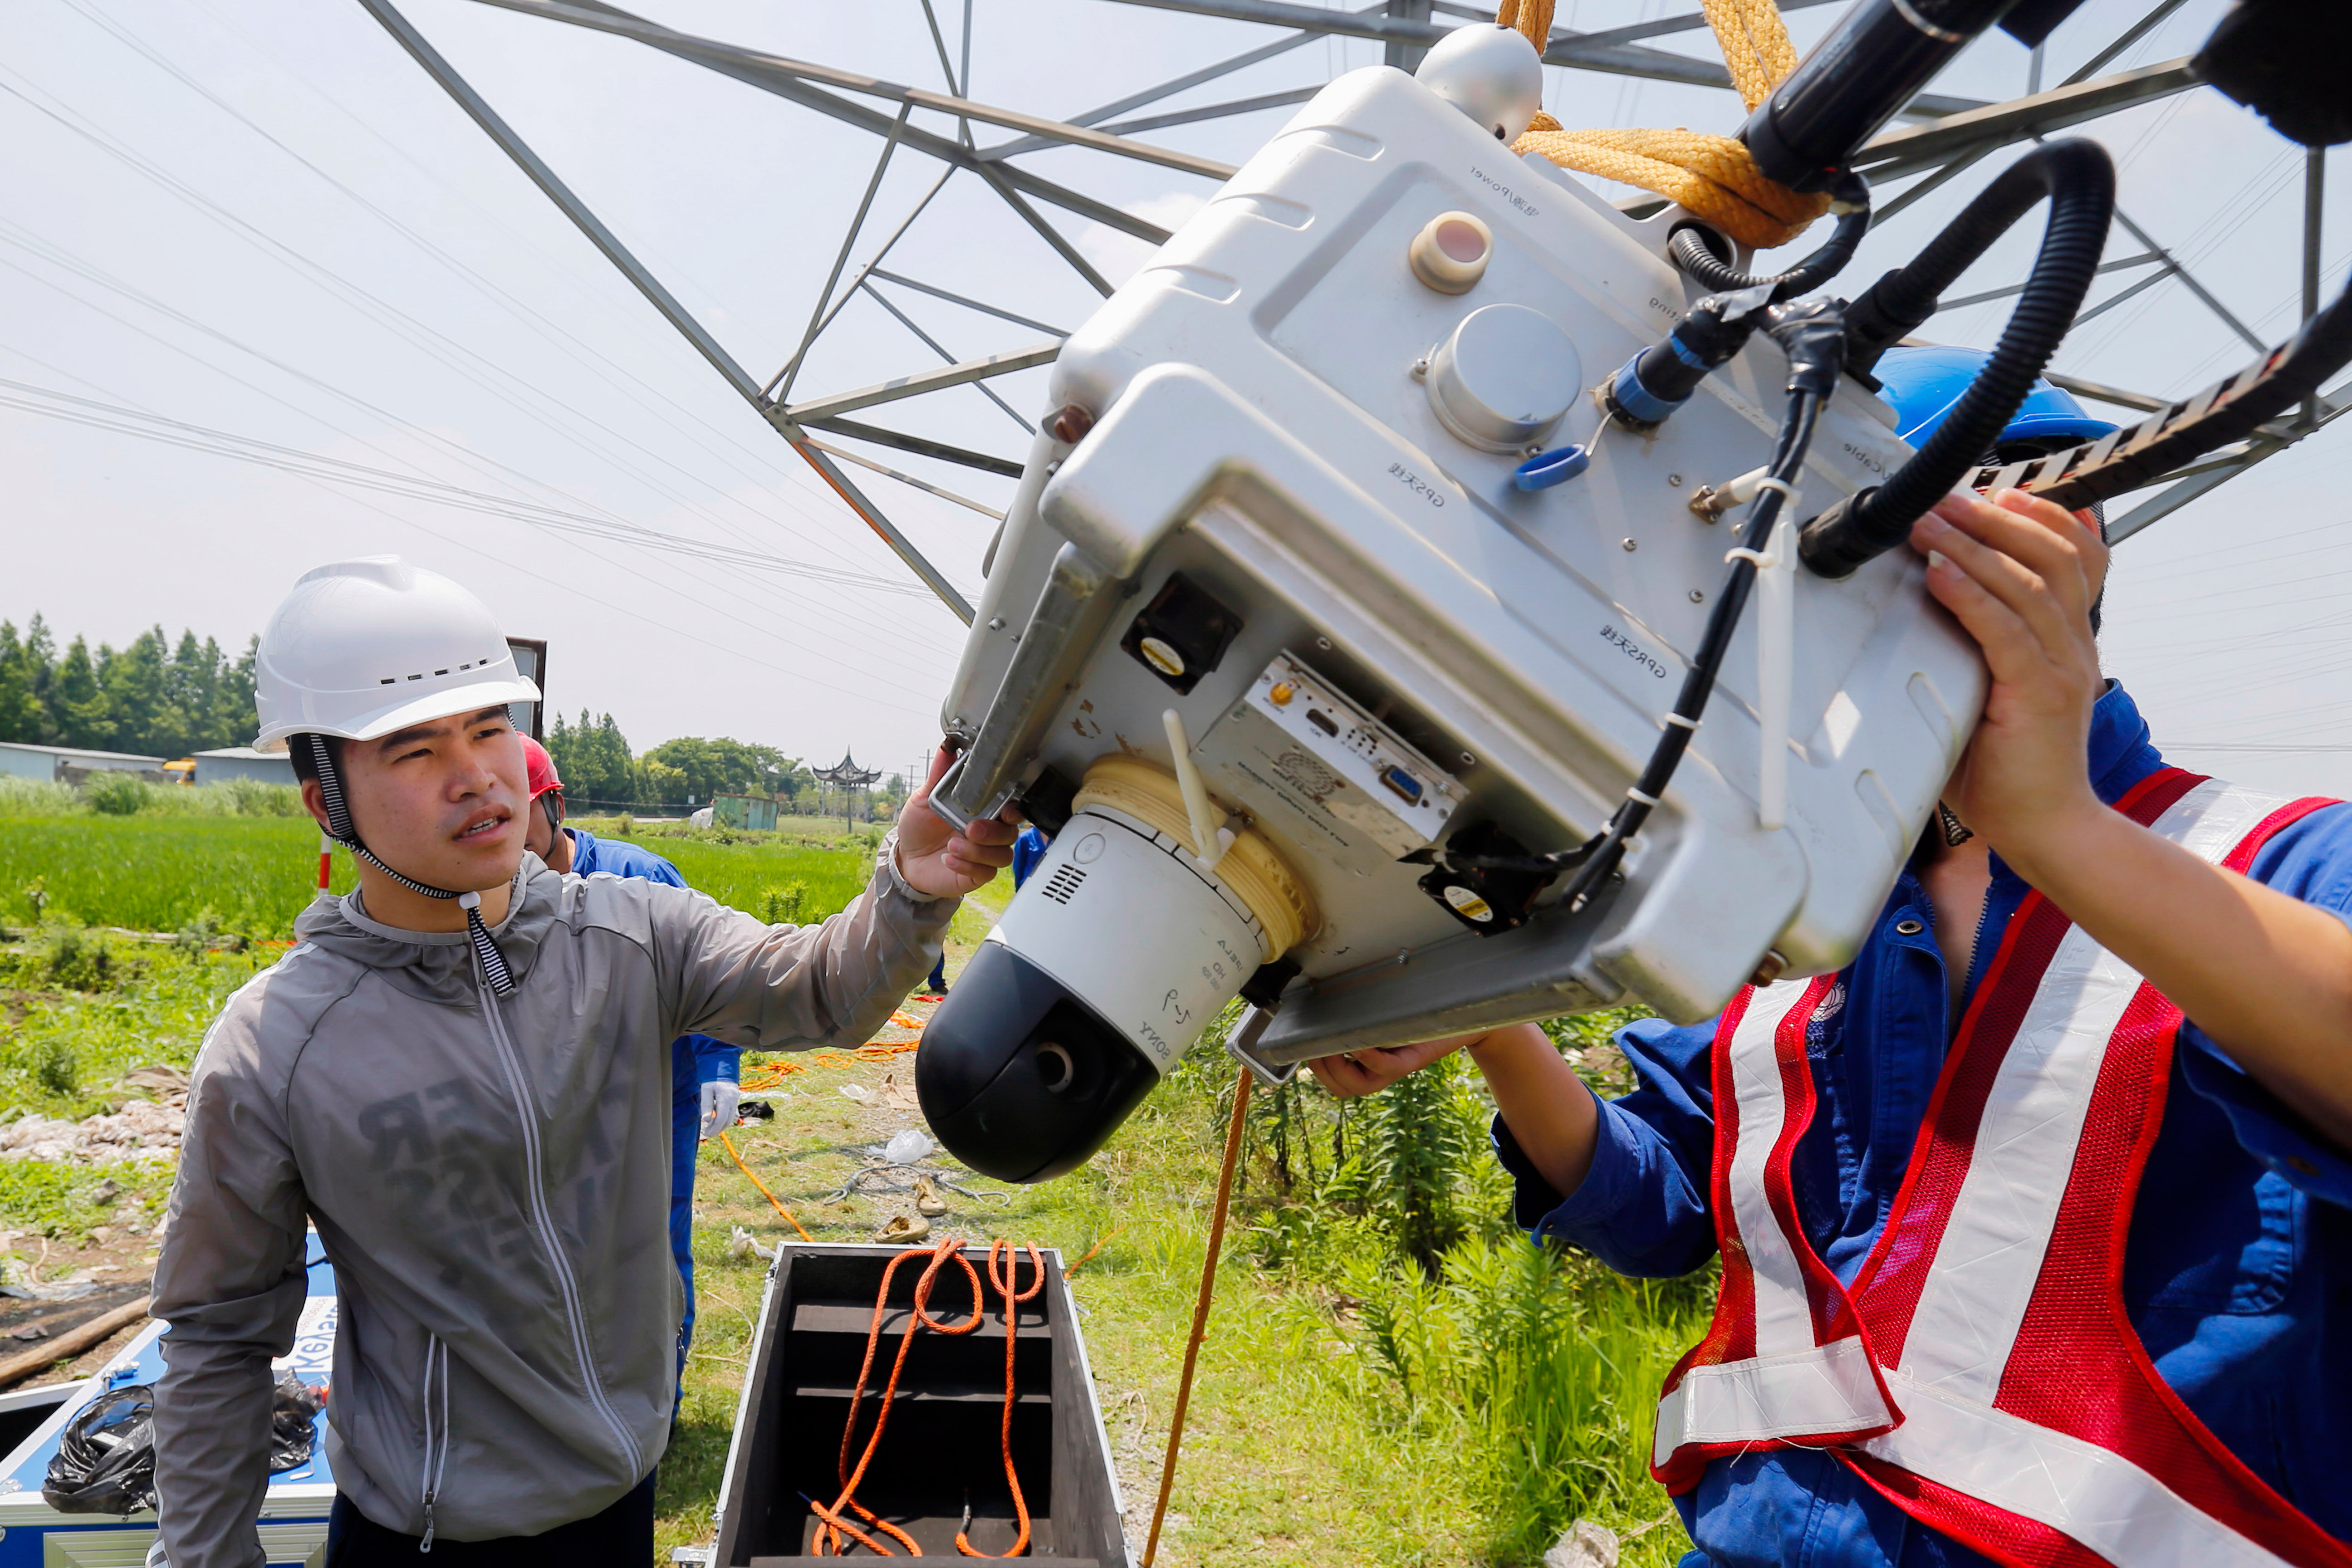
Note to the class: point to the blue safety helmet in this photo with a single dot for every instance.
(1925, 384)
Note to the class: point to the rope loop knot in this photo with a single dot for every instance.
(1715, 177)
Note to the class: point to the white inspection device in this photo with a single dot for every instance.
(1289, 559)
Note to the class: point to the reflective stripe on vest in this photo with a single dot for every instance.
(1982, 1373)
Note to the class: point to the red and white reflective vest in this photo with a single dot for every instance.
(1982, 1373)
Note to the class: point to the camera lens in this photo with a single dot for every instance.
(1018, 1079)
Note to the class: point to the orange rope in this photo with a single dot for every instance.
(837, 1526)
(1004, 1283)
(764, 1193)
(772, 1074)
(1200, 1312)
(1101, 1243)
(1715, 177)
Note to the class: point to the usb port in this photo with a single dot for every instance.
(1323, 721)
(1402, 784)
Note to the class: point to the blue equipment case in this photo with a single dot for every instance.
(293, 1515)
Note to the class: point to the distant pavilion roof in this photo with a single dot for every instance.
(846, 774)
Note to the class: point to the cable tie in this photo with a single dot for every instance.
(1788, 492)
(1690, 724)
(1634, 794)
(1763, 561)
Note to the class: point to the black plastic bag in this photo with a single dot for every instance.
(291, 1413)
(105, 1461)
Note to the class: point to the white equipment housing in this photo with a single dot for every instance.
(1267, 401)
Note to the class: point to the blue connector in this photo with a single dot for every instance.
(1541, 473)
(1636, 403)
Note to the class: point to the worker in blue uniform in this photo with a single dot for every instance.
(1028, 850)
(704, 1074)
(2237, 1271)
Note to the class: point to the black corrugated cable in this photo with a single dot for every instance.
(1691, 250)
(2079, 182)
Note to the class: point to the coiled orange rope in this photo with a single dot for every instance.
(829, 1538)
(772, 1074)
(1713, 176)
(1004, 1272)
(1004, 1283)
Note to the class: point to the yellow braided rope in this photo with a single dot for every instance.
(1713, 176)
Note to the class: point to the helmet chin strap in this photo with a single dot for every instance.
(340, 830)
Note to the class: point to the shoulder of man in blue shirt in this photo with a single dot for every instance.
(618, 857)
(695, 1059)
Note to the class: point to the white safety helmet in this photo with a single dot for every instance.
(362, 648)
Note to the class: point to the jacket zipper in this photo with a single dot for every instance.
(1954, 1010)
(545, 1225)
(434, 1352)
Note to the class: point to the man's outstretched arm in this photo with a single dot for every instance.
(2266, 976)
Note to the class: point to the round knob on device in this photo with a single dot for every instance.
(1450, 252)
(1503, 378)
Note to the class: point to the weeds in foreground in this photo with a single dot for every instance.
(79, 1009)
(66, 1203)
(1533, 1369)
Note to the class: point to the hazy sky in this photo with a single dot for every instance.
(258, 218)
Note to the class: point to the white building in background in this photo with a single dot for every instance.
(21, 759)
(243, 763)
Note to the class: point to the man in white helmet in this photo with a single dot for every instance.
(460, 1074)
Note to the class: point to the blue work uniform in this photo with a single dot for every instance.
(694, 1061)
(2238, 1267)
(1027, 851)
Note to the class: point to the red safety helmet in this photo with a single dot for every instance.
(541, 769)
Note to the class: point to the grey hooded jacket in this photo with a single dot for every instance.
(490, 1177)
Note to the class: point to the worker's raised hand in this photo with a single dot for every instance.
(1375, 1067)
(938, 860)
(2021, 574)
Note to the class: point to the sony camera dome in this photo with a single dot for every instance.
(1114, 957)
(1018, 1078)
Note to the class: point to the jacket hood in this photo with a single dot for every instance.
(437, 966)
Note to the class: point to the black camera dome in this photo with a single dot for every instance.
(1018, 1079)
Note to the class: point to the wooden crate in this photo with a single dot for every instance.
(942, 1446)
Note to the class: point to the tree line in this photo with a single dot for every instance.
(155, 697)
(598, 766)
(162, 699)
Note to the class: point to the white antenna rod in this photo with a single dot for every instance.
(1210, 841)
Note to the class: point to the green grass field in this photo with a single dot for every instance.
(254, 874)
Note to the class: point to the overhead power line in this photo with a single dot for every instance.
(91, 412)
